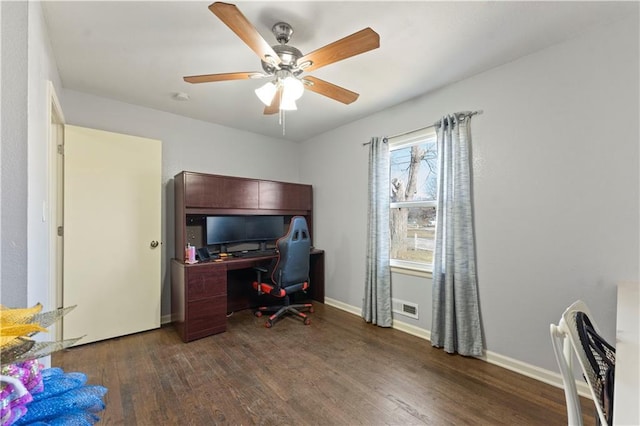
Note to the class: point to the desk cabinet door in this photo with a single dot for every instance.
(208, 191)
(206, 281)
(206, 317)
(287, 196)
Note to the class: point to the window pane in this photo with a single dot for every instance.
(414, 171)
(412, 233)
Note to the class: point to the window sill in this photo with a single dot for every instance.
(412, 270)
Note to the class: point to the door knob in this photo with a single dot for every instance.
(154, 244)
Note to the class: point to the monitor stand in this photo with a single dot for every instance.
(263, 246)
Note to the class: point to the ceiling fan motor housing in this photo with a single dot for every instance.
(282, 31)
(289, 55)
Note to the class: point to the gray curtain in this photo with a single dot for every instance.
(456, 311)
(377, 296)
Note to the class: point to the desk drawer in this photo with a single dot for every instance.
(206, 317)
(205, 281)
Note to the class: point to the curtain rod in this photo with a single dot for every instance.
(425, 128)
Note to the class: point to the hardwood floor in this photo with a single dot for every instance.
(336, 371)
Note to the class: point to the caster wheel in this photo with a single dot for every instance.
(268, 324)
(307, 321)
(258, 314)
(311, 310)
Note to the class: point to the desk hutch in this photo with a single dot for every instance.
(202, 294)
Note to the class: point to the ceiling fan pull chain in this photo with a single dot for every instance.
(281, 113)
(283, 121)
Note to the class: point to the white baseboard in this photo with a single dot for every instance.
(343, 306)
(165, 319)
(412, 329)
(529, 370)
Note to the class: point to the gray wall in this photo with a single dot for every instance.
(555, 163)
(13, 156)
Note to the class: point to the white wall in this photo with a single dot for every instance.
(27, 67)
(187, 144)
(41, 70)
(555, 188)
(13, 222)
(1, 84)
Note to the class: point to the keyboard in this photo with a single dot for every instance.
(255, 253)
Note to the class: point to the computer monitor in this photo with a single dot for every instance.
(226, 229)
(264, 228)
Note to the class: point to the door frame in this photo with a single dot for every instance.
(55, 137)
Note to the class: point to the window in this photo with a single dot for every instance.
(413, 199)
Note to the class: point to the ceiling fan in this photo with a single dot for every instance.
(285, 63)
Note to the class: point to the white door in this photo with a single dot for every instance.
(112, 228)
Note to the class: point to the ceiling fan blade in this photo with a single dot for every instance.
(330, 90)
(238, 23)
(207, 78)
(355, 44)
(275, 103)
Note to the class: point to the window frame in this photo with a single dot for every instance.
(405, 140)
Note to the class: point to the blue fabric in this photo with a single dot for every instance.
(60, 383)
(78, 418)
(376, 307)
(456, 311)
(65, 400)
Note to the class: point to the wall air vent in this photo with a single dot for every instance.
(405, 308)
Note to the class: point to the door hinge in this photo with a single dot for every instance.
(61, 149)
(60, 231)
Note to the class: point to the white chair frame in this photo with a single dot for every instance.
(566, 342)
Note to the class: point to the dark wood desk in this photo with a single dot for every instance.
(202, 294)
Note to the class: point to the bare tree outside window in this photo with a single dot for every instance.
(412, 201)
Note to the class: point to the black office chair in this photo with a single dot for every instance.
(289, 274)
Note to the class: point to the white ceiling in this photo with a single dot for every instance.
(138, 52)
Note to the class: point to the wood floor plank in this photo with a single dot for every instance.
(336, 371)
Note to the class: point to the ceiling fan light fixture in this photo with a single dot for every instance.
(266, 93)
(288, 104)
(293, 88)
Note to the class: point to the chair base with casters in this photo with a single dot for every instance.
(286, 307)
(577, 334)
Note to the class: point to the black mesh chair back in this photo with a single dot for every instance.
(602, 360)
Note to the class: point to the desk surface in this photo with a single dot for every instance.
(233, 262)
(626, 410)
